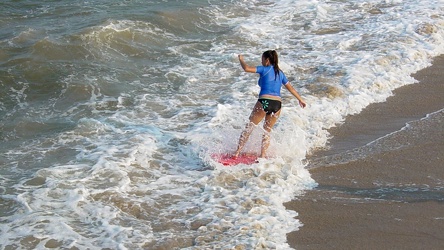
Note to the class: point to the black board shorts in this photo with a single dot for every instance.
(270, 106)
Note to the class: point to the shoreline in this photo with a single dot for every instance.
(379, 199)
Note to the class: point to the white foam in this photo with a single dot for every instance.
(153, 113)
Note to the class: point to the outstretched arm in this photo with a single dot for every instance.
(245, 66)
(295, 94)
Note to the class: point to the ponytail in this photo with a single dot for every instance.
(272, 56)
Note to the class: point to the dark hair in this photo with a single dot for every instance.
(272, 56)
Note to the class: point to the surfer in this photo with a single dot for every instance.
(269, 103)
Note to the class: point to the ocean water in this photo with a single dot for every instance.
(110, 111)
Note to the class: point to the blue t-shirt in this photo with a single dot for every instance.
(269, 82)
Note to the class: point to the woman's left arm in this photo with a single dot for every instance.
(245, 66)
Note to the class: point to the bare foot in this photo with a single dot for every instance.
(235, 155)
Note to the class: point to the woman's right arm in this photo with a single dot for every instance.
(295, 94)
(245, 66)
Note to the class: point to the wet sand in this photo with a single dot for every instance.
(392, 196)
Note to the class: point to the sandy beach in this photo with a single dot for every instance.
(386, 195)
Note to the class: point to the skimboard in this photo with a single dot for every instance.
(229, 160)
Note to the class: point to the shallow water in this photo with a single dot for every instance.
(110, 112)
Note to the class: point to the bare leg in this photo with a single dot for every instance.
(255, 117)
(270, 120)
(265, 143)
(244, 137)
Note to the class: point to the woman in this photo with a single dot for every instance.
(269, 102)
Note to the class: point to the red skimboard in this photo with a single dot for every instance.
(229, 160)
